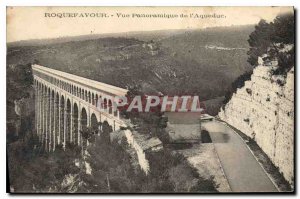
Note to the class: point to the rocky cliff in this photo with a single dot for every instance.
(264, 110)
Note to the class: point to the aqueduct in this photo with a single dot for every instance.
(66, 103)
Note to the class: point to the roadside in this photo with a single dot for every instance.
(204, 159)
(272, 171)
(243, 171)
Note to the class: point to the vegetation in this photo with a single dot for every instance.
(103, 167)
(152, 123)
(272, 39)
(19, 82)
(171, 172)
(112, 171)
(19, 95)
(33, 170)
(238, 83)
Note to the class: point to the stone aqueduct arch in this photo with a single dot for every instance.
(65, 103)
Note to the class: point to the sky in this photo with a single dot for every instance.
(25, 23)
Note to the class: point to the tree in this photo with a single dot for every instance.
(284, 29)
(152, 123)
(259, 41)
(19, 82)
(272, 39)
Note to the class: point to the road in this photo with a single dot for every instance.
(243, 172)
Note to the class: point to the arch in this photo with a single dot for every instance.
(110, 106)
(93, 99)
(96, 100)
(106, 130)
(52, 93)
(62, 115)
(89, 96)
(83, 118)
(94, 123)
(104, 104)
(85, 95)
(68, 122)
(56, 119)
(52, 133)
(75, 123)
(40, 85)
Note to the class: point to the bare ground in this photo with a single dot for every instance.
(203, 157)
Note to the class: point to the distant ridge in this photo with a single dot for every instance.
(141, 35)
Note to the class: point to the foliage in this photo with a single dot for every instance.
(19, 90)
(152, 122)
(112, 171)
(259, 41)
(271, 39)
(238, 83)
(171, 172)
(19, 81)
(33, 170)
(111, 168)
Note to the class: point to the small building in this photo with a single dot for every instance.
(183, 133)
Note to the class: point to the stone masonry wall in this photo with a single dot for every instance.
(264, 110)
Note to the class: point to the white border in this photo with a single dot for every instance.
(5, 3)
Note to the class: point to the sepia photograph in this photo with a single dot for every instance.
(143, 100)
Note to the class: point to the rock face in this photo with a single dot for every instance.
(264, 110)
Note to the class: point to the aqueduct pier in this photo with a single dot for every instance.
(66, 103)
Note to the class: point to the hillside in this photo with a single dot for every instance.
(141, 35)
(264, 110)
(201, 62)
(222, 49)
